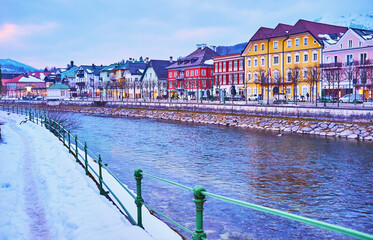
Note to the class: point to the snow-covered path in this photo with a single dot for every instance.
(44, 194)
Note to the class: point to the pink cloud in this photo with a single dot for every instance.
(11, 32)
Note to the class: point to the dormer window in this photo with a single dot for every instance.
(255, 47)
(289, 43)
(297, 42)
(262, 47)
(305, 41)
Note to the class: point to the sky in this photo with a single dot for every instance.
(50, 33)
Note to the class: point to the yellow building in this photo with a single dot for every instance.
(285, 61)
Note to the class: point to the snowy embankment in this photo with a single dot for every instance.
(45, 194)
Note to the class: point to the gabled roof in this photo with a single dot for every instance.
(136, 68)
(159, 67)
(24, 78)
(196, 58)
(318, 30)
(281, 30)
(365, 34)
(262, 33)
(91, 69)
(69, 73)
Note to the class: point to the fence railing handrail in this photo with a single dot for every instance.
(199, 192)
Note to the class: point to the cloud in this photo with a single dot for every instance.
(12, 33)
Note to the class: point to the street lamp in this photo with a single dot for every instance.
(28, 89)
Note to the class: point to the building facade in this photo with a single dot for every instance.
(192, 76)
(348, 63)
(229, 72)
(284, 62)
(154, 79)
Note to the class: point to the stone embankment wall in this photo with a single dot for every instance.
(280, 125)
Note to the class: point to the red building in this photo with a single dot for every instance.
(16, 87)
(192, 76)
(229, 75)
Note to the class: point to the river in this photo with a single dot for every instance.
(321, 178)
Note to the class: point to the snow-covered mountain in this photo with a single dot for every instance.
(9, 66)
(361, 21)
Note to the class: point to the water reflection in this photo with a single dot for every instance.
(326, 179)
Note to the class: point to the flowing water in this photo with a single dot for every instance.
(325, 179)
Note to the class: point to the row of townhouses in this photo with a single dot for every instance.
(305, 59)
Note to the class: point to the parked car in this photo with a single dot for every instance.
(238, 98)
(39, 98)
(298, 98)
(253, 97)
(328, 99)
(351, 98)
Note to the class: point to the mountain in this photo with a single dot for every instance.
(10, 66)
(361, 21)
(224, 50)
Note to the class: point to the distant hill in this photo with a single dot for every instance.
(361, 21)
(11, 66)
(224, 50)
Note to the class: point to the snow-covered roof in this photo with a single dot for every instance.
(30, 79)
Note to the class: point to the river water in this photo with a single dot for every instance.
(325, 179)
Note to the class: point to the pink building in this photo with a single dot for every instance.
(348, 63)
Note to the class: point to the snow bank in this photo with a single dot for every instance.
(45, 194)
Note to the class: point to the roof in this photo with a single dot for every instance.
(39, 74)
(92, 69)
(24, 78)
(159, 67)
(262, 33)
(58, 86)
(366, 34)
(320, 31)
(227, 55)
(196, 58)
(69, 73)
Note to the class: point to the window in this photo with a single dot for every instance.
(196, 73)
(327, 59)
(335, 59)
(220, 67)
(249, 62)
(249, 91)
(305, 57)
(235, 65)
(235, 79)
(275, 45)
(220, 80)
(305, 41)
(363, 58)
(191, 73)
(275, 60)
(216, 67)
(256, 76)
(359, 43)
(203, 72)
(305, 73)
(224, 66)
(350, 43)
(230, 65)
(349, 60)
(240, 78)
(255, 90)
(297, 42)
(297, 58)
(170, 84)
(341, 46)
(224, 79)
(175, 74)
(241, 64)
(230, 79)
(288, 90)
(249, 77)
(289, 43)
(204, 83)
(255, 62)
(262, 46)
(314, 57)
(255, 47)
(187, 73)
(170, 75)
(289, 59)
(262, 61)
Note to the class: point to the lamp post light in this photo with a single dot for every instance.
(28, 89)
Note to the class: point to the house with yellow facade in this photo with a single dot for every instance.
(284, 62)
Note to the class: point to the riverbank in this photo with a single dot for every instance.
(282, 125)
(44, 194)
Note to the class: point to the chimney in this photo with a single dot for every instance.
(171, 59)
(93, 65)
(71, 64)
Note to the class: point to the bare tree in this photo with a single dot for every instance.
(294, 76)
(66, 119)
(313, 78)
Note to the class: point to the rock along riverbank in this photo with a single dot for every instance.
(358, 131)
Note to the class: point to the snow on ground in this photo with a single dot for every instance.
(45, 194)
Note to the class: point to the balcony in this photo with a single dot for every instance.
(180, 77)
(331, 65)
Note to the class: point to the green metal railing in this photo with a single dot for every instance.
(199, 192)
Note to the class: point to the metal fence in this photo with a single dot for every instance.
(81, 153)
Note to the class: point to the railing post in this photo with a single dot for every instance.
(58, 131)
(76, 148)
(199, 199)
(17, 109)
(37, 118)
(86, 158)
(102, 192)
(138, 200)
(68, 134)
